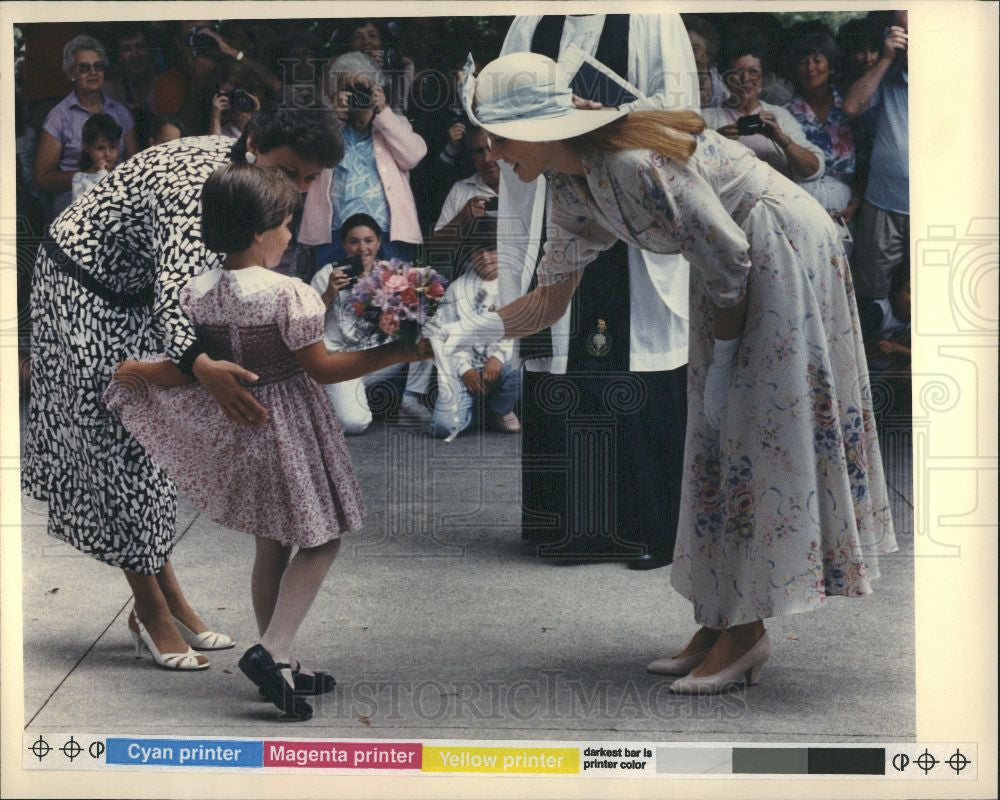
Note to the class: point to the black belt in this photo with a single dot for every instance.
(68, 266)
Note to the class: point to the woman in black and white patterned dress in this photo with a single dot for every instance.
(105, 289)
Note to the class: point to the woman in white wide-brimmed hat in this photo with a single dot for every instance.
(784, 500)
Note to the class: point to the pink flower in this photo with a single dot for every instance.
(396, 284)
(741, 500)
(435, 291)
(708, 498)
(414, 277)
(388, 323)
(409, 297)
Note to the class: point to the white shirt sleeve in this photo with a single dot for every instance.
(450, 208)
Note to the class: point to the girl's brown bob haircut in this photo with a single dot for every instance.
(242, 200)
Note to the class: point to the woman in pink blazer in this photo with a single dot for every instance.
(380, 148)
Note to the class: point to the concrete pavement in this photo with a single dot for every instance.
(439, 623)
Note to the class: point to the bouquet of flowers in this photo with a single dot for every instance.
(396, 299)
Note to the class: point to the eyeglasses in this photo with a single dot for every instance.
(85, 67)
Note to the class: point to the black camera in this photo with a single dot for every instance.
(360, 97)
(492, 206)
(351, 266)
(242, 101)
(750, 124)
(202, 44)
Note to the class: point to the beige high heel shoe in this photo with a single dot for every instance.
(743, 672)
(677, 665)
(207, 640)
(188, 661)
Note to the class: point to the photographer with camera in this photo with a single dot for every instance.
(362, 239)
(456, 239)
(380, 148)
(439, 118)
(774, 135)
(234, 102)
(188, 88)
(486, 376)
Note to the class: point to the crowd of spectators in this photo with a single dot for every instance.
(828, 109)
(825, 108)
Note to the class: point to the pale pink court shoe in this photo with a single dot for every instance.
(743, 672)
(677, 665)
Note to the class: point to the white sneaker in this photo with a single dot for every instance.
(412, 408)
(507, 423)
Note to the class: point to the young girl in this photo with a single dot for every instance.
(290, 481)
(99, 154)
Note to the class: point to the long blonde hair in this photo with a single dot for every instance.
(669, 133)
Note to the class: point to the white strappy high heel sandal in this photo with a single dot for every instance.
(208, 640)
(177, 661)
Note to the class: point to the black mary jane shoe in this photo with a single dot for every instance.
(317, 683)
(260, 668)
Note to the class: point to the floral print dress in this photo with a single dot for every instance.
(835, 138)
(786, 504)
(290, 479)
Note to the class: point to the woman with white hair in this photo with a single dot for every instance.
(58, 159)
(784, 502)
(380, 148)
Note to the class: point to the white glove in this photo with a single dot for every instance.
(717, 379)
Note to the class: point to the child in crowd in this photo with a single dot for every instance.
(361, 237)
(885, 326)
(483, 374)
(289, 482)
(99, 152)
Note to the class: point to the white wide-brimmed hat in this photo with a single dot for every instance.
(527, 96)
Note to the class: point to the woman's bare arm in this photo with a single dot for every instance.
(48, 176)
(161, 373)
(539, 308)
(324, 366)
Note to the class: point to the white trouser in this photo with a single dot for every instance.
(351, 404)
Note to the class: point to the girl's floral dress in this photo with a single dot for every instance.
(787, 503)
(290, 479)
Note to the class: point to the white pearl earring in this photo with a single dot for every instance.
(250, 158)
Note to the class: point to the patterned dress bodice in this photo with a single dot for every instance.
(255, 318)
(258, 348)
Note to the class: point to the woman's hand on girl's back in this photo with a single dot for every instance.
(223, 379)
